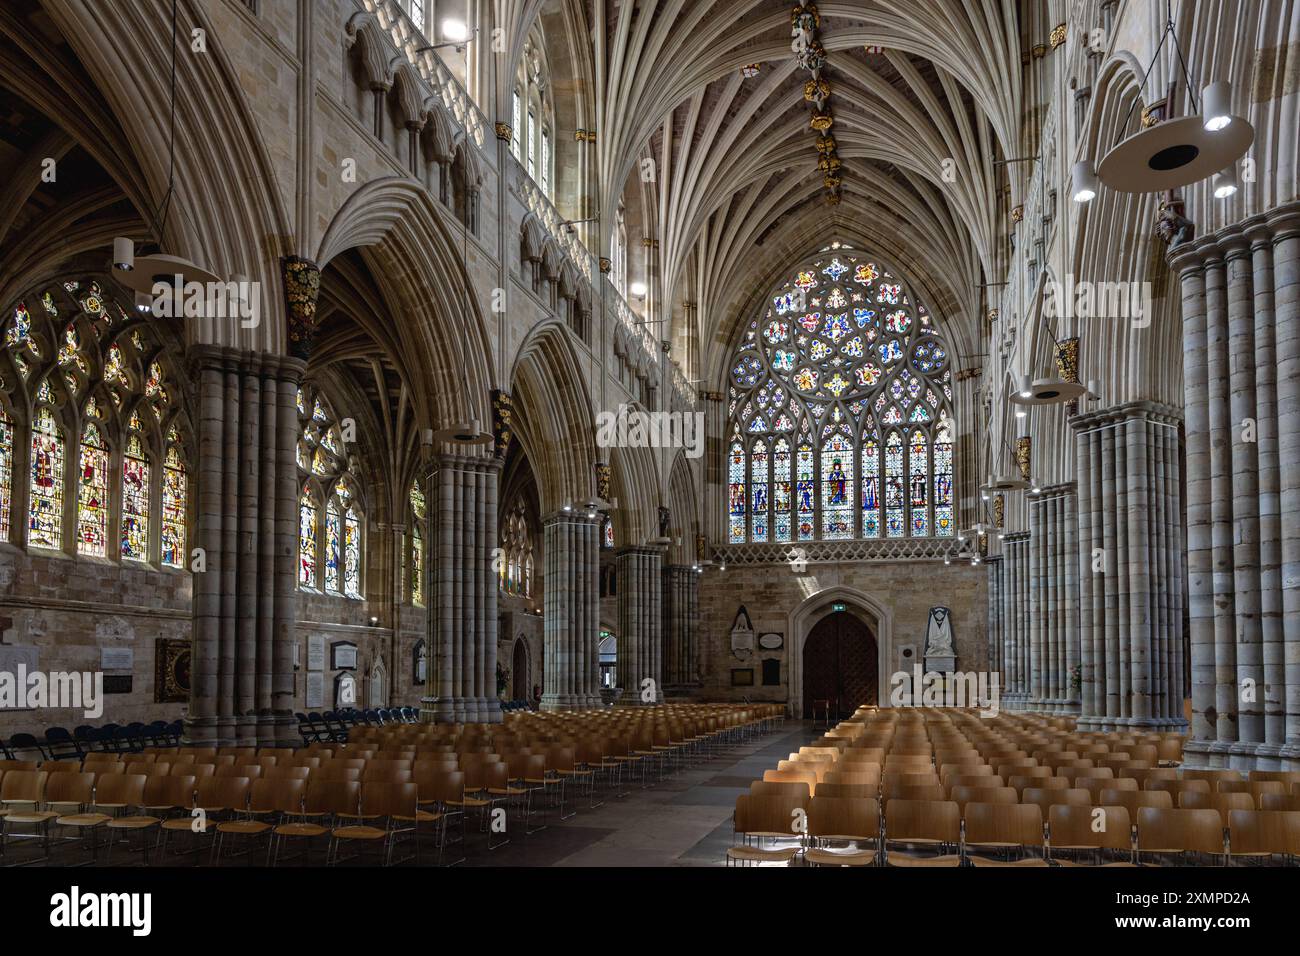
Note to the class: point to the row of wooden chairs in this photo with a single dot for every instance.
(954, 759)
(949, 834)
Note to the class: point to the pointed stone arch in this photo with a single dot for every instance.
(413, 254)
(554, 417)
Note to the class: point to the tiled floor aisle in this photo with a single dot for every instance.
(683, 821)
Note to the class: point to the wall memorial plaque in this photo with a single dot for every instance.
(316, 652)
(315, 693)
(343, 656)
(117, 683)
(116, 658)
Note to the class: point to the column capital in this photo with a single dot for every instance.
(649, 548)
(203, 357)
(1151, 411)
(457, 461)
(575, 516)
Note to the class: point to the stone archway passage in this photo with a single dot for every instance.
(839, 665)
(519, 675)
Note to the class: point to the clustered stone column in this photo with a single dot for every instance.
(640, 624)
(1015, 620)
(681, 611)
(1241, 371)
(571, 611)
(1130, 567)
(463, 589)
(994, 565)
(1054, 600)
(245, 599)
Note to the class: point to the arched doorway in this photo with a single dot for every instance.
(840, 665)
(520, 672)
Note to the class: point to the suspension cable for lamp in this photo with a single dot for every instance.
(1168, 32)
(164, 206)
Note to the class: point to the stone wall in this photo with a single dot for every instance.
(67, 612)
(770, 593)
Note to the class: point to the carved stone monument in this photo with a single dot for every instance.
(940, 654)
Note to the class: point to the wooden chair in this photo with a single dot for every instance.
(325, 802)
(392, 804)
(213, 797)
(1007, 829)
(843, 820)
(115, 795)
(51, 795)
(999, 795)
(1163, 830)
(765, 818)
(270, 802)
(1262, 834)
(1096, 785)
(928, 823)
(1095, 829)
(1224, 803)
(1047, 798)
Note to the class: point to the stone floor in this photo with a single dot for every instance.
(685, 820)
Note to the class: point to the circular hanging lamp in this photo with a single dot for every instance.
(1052, 390)
(998, 483)
(463, 433)
(1056, 389)
(145, 272)
(1174, 153)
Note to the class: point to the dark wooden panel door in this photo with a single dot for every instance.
(839, 666)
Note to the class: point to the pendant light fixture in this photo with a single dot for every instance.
(1177, 152)
(999, 483)
(1056, 389)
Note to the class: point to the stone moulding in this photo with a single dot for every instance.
(834, 552)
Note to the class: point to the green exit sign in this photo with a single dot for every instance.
(837, 607)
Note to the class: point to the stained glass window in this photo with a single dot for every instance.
(337, 541)
(805, 491)
(918, 468)
(135, 501)
(6, 472)
(736, 493)
(517, 551)
(308, 513)
(352, 554)
(174, 504)
(45, 524)
(92, 494)
(608, 537)
(781, 490)
(333, 549)
(943, 513)
(842, 352)
(758, 490)
(69, 347)
(418, 511)
(895, 523)
(871, 488)
(837, 488)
